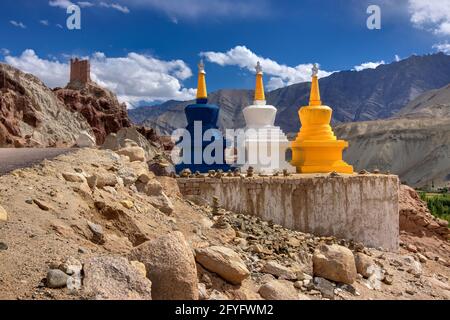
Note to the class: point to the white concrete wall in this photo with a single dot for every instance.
(359, 207)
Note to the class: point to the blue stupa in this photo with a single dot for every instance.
(207, 144)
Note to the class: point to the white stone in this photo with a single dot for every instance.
(3, 214)
(85, 140)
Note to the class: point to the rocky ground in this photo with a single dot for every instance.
(97, 224)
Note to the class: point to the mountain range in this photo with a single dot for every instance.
(415, 144)
(370, 94)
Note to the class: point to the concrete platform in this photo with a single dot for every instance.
(350, 206)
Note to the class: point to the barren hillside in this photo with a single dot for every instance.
(95, 225)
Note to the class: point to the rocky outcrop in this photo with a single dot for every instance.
(32, 116)
(223, 261)
(416, 219)
(98, 106)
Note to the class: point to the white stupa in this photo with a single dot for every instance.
(265, 144)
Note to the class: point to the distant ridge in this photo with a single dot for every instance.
(370, 94)
(415, 144)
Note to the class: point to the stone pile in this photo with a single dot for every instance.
(294, 265)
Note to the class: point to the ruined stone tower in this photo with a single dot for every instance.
(80, 71)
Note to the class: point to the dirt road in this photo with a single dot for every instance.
(11, 159)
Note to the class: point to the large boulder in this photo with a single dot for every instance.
(365, 265)
(121, 139)
(157, 197)
(114, 278)
(105, 179)
(56, 279)
(278, 290)
(325, 287)
(161, 166)
(334, 262)
(135, 153)
(170, 265)
(223, 261)
(85, 140)
(274, 268)
(74, 177)
(152, 188)
(162, 203)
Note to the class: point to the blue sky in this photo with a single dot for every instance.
(147, 50)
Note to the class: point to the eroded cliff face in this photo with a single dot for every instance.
(99, 107)
(416, 219)
(32, 116)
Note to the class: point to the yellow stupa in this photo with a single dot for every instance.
(316, 149)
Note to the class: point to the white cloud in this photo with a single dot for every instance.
(133, 78)
(397, 58)
(44, 22)
(281, 75)
(5, 52)
(443, 47)
(193, 9)
(116, 6)
(52, 73)
(18, 24)
(85, 4)
(60, 3)
(433, 15)
(368, 65)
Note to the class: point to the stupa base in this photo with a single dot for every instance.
(270, 143)
(320, 156)
(344, 168)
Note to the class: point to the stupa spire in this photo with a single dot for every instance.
(202, 94)
(314, 98)
(259, 87)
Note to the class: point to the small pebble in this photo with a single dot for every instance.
(3, 246)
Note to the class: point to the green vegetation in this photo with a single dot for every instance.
(438, 204)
